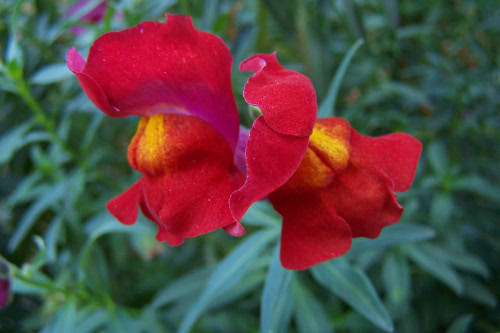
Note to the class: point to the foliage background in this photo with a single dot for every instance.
(429, 68)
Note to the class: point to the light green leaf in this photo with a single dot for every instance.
(276, 301)
(51, 73)
(353, 286)
(229, 272)
(436, 267)
(309, 313)
(461, 324)
(253, 280)
(327, 108)
(401, 233)
(262, 214)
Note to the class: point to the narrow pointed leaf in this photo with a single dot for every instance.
(229, 272)
(327, 108)
(309, 313)
(436, 267)
(353, 286)
(276, 302)
(401, 233)
(49, 199)
(461, 324)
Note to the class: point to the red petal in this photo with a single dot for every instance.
(312, 233)
(125, 206)
(76, 64)
(396, 154)
(364, 197)
(286, 98)
(189, 175)
(271, 159)
(161, 68)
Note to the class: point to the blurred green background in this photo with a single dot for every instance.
(428, 68)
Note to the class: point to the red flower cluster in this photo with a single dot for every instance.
(200, 172)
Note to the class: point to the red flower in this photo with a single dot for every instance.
(329, 182)
(179, 80)
(4, 284)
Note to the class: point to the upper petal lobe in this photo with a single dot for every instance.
(161, 68)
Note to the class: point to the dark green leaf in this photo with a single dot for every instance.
(49, 199)
(478, 185)
(178, 289)
(479, 293)
(11, 141)
(461, 324)
(436, 267)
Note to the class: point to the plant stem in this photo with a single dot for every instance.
(42, 119)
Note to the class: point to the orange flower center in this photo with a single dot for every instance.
(171, 142)
(328, 153)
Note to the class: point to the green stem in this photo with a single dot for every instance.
(42, 119)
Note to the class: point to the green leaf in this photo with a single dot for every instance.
(442, 206)
(405, 91)
(461, 260)
(276, 301)
(228, 272)
(478, 185)
(103, 224)
(64, 320)
(27, 189)
(327, 108)
(396, 278)
(353, 286)
(401, 233)
(436, 153)
(51, 73)
(49, 199)
(11, 141)
(461, 324)
(14, 54)
(180, 288)
(436, 267)
(478, 292)
(309, 313)
(261, 214)
(89, 322)
(253, 280)
(51, 237)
